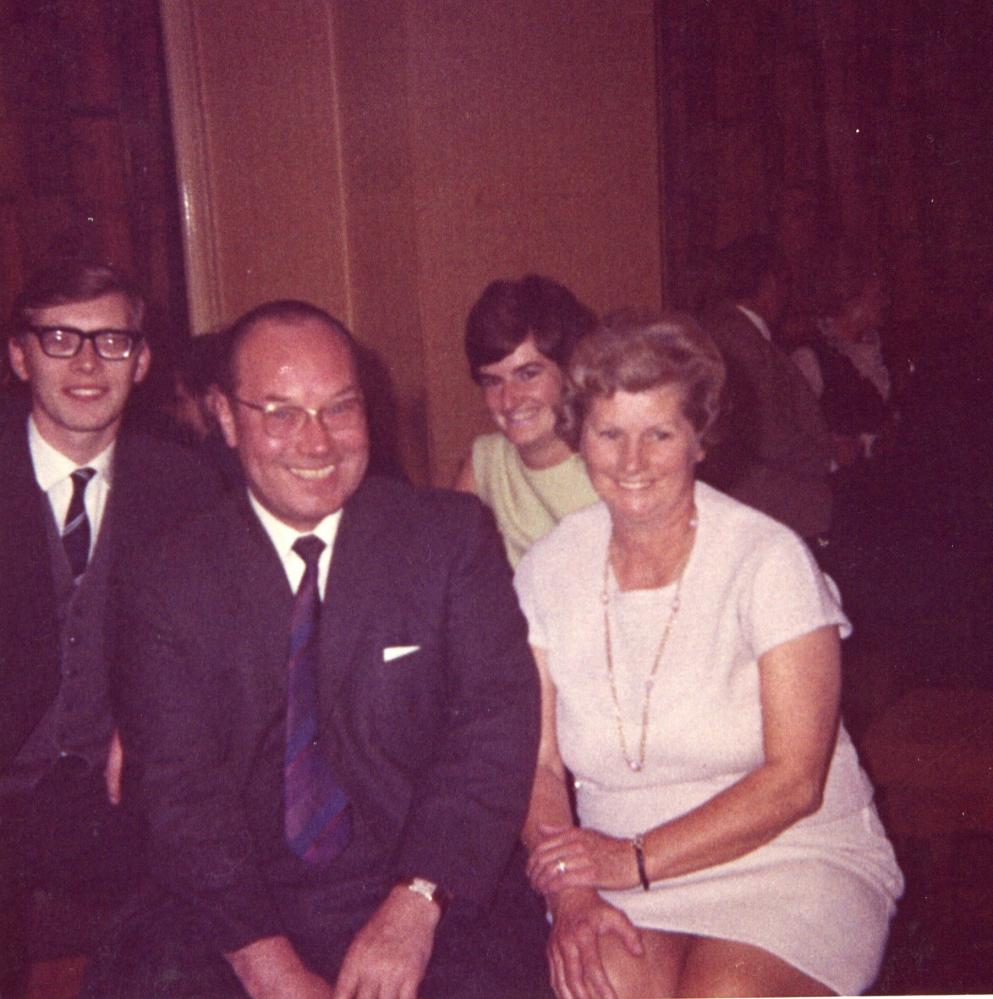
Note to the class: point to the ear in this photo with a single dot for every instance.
(143, 362)
(701, 452)
(225, 417)
(18, 359)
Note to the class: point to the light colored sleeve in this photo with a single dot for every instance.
(785, 595)
(527, 585)
(806, 360)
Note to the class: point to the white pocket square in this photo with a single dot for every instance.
(392, 652)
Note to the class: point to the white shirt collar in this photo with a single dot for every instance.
(759, 323)
(51, 466)
(283, 538)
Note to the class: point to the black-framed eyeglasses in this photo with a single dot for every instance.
(67, 341)
(281, 420)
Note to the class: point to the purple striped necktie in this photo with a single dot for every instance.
(76, 530)
(318, 819)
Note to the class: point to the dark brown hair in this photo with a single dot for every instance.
(63, 282)
(508, 312)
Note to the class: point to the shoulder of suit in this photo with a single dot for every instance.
(178, 475)
(395, 500)
(201, 535)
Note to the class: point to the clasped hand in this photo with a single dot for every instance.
(569, 857)
(389, 955)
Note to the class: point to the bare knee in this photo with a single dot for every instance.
(727, 968)
(653, 973)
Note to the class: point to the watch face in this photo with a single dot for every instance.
(423, 887)
(429, 890)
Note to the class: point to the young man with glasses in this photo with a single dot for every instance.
(76, 495)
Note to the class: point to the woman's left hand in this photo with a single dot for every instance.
(580, 858)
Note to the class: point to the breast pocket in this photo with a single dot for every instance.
(403, 697)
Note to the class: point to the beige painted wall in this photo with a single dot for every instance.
(389, 158)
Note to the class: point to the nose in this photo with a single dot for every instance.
(632, 457)
(87, 359)
(314, 437)
(509, 394)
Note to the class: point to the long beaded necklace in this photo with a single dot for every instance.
(635, 765)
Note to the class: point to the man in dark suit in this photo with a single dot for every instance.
(399, 641)
(76, 495)
(776, 450)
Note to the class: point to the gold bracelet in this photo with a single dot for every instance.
(638, 842)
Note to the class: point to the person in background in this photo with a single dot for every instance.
(844, 364)
(518, 337)
(688, 647)
(78, 494)
(198, 361)
(775, 450)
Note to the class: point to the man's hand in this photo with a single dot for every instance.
(271, 969)
(580, 920)
(388, 956)
(112, 771)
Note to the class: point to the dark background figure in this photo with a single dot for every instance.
(78, 494)
(844, 359)
(774, 450)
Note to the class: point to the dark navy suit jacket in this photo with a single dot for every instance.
(429, 711)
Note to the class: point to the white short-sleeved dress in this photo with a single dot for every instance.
(822, 893)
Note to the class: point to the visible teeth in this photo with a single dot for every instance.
(520, 417)
(313, 473)
(634, 485)
(86, 393)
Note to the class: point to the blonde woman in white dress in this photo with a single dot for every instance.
(689, 650)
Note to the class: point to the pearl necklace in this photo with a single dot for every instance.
(635, 765)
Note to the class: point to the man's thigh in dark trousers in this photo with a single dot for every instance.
(501, 954)
(64, 835)
(155, 949)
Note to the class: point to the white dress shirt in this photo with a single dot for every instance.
(283, 538)
(53, 473)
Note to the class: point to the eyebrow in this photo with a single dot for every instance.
(514, 370)
(351, 390)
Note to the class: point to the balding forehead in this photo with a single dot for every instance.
(291, 322)
(283, 330)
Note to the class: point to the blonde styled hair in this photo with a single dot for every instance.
(633, 352)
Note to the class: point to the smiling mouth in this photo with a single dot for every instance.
(313, 473)
(519, 417)
(634, 486)
(85, 392)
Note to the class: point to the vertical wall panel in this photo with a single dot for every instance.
(389, 158)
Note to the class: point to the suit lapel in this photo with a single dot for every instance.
(357, 582)
(29, 670)
(23, 512)
(260, 593)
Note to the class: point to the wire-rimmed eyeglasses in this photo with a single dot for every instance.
(282, 420)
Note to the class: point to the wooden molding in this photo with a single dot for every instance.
(193, 167)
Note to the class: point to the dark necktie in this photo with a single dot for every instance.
(317, 814)
(76, 532)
